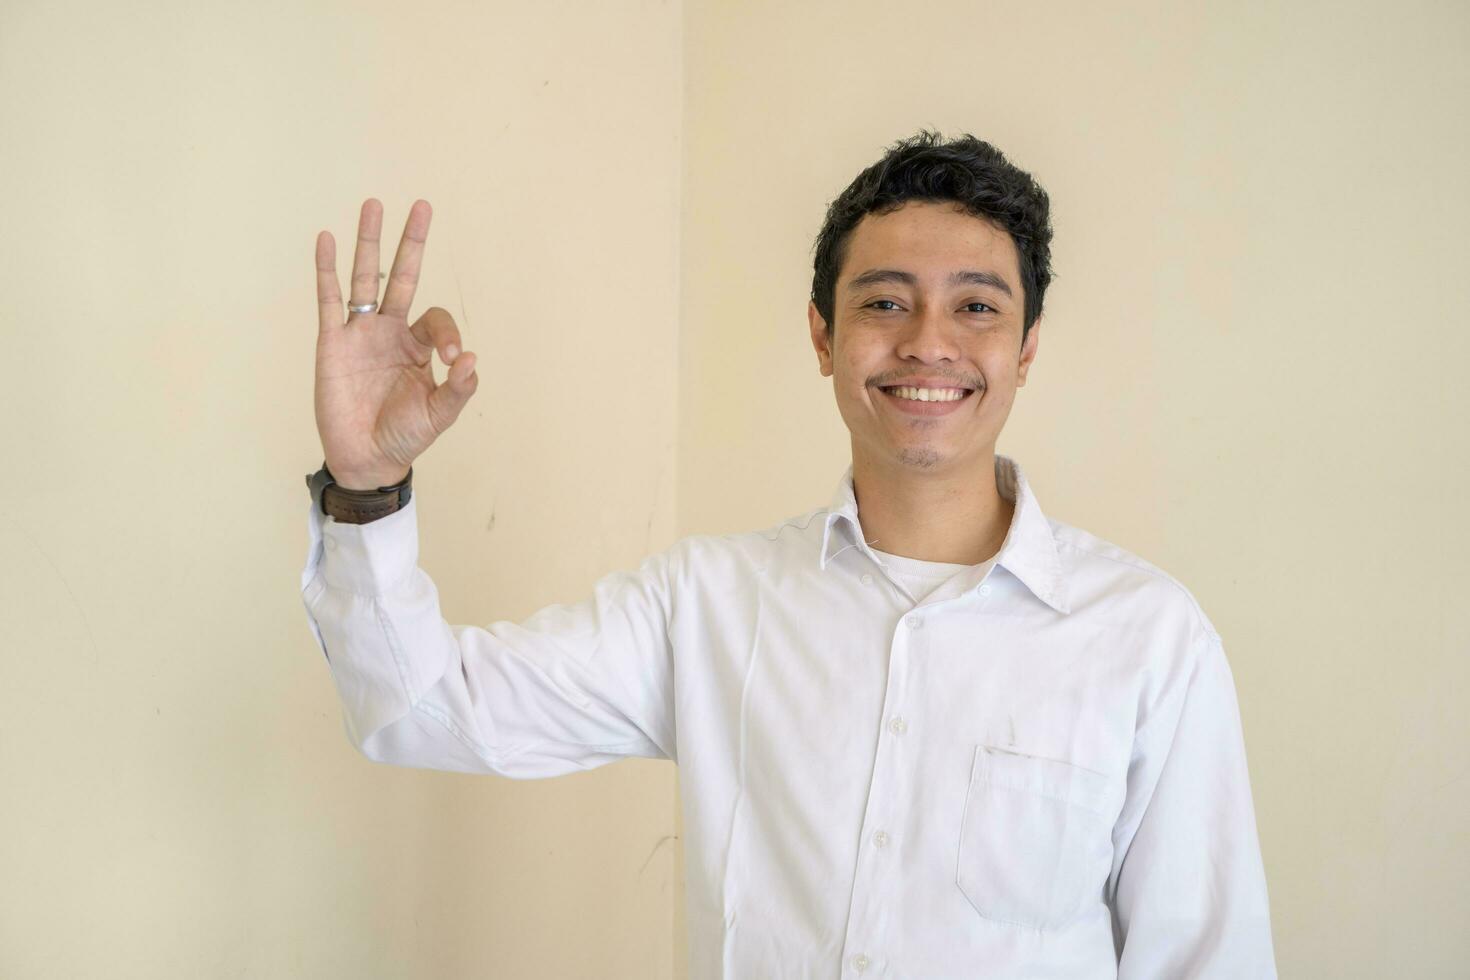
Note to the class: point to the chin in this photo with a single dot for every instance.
(921, 457)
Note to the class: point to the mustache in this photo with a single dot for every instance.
(974, 384)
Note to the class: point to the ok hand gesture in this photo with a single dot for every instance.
(377, 406)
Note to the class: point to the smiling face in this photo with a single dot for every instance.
(928, 296)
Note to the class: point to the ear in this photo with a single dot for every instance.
(819, 338)
(1028, 351)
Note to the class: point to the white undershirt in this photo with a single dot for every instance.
(918, 578)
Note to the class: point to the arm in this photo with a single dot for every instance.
(1190, 893)
(572, 687)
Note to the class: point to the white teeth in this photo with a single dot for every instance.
(930, 394)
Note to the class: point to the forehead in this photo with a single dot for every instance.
(930, 239)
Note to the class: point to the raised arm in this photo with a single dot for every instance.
(571, 687)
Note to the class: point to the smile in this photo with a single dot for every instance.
(929, 394)
(926, 401)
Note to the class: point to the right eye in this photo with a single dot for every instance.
(877, 301)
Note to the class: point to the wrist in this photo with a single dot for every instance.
(370, 480)
(359, 503)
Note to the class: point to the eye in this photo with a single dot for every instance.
(877, 301)
(986, 305)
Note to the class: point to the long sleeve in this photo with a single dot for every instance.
(1190, 898)
(572, 687)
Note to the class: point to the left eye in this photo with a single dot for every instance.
(968, 305)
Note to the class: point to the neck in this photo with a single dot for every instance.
(952, 515)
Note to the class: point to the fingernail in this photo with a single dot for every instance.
(451, 352)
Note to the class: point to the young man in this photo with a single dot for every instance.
(925, 730)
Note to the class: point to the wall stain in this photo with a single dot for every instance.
(81, 612)
(656, 845)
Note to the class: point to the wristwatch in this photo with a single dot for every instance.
(356, 506)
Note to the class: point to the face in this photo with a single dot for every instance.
(911, 311)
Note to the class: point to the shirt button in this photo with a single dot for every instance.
(916, 622)
(898, 726)
(860, 962)
(331, 545)
(880, 839)
(867, 579)
(985, 589)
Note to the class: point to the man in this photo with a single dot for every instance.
(925, 731)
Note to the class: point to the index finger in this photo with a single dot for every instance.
(404, 279)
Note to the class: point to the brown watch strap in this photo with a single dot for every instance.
(358, 506)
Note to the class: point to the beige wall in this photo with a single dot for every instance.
(1249, 374)
(179, 797)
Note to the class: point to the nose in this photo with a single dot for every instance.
(928, 336)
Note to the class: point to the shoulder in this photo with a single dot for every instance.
(699, 556)
(1153, 620)
(1126, 589)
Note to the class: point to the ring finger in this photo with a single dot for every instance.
(365, 273)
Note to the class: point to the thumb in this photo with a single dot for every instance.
(449, 398)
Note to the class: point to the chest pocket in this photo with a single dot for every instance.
(1035, 842)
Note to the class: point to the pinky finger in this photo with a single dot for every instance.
(328, 293)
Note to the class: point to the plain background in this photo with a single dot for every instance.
(1250, 374)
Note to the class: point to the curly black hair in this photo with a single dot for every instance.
(926, 167)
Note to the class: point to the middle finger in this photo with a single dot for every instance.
(365, 259)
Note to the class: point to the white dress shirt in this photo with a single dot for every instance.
(1036, 770)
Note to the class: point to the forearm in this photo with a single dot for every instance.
(569, 688)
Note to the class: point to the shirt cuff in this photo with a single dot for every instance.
(369, 559)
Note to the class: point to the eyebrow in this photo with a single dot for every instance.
(964, 277)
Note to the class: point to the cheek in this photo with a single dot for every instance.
(848, 375)
(998, 368)
(856, 363)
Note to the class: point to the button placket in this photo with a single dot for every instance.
(886, 791)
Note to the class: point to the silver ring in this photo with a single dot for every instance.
(364, 308)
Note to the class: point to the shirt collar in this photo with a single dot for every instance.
(1029, 551)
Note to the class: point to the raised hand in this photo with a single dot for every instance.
(377, 406)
